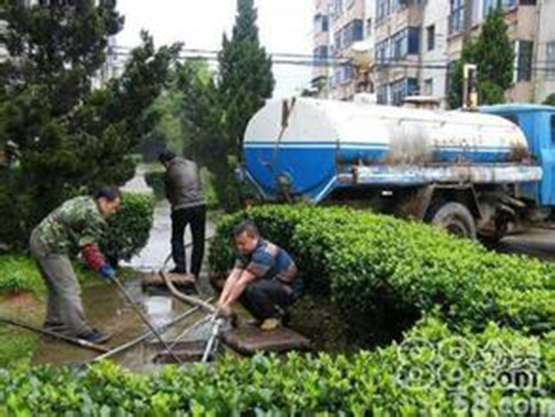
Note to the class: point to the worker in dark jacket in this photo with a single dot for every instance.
(184, 191)
(264, 278)
(77, 225)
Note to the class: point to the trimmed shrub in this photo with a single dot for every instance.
(155, 180)
(433, 372)
(377, 267)
(129, 230)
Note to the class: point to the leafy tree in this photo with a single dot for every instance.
(60, 137)
(494, 56)
(550, 100)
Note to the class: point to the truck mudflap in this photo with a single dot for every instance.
(420, 175)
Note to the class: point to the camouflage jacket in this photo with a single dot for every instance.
(70, 227)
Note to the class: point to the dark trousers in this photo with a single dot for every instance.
(196, 218)
(261, 297)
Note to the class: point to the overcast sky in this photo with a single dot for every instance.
(285, 27)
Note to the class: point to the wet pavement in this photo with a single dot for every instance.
(536, 242)
(108, 311)
(152, 257)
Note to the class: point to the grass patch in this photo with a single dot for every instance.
(16, 347)
(19, 273)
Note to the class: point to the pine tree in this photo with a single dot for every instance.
(216, 110)
(493, 53)
(245, 74)
(60, 136)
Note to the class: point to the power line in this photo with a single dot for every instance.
(432, 65)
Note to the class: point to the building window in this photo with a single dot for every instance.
(337, 7)
(381, 51)
(523, 60)
(382, 9)
(321, 23)
(369, 27)
(399, 45)
(429, 87)
(456, 18)
(353, 32)
(321, 53)
(431, 37)
(398, 5)
(414, 40)
(337, 41)
(403, 88)
(382, 94)
(343, 74)
(550, 60)
(490, 5)
(405, 42)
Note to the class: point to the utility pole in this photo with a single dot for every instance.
(470, 86)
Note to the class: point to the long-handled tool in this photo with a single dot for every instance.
(68, 339)
(145, 318)
(145, 336)
(211, 345)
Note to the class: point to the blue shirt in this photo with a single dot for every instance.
(269, 261)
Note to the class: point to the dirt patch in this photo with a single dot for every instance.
(23, 305)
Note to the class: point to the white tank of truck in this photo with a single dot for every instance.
(313, 145)
(470, 172)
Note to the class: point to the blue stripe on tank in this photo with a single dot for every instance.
(312, 169)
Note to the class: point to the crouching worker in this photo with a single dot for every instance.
(76, 225)
(263, 279)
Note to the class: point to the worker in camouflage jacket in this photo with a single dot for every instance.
(76, 226)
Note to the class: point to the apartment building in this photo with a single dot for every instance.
(415, 44)
(342, 29)
(543, 75)
(398, 42)
(322, 48)
(466, 19)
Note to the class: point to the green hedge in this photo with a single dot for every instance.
(129, 230)
(155, 180)
(372, 263)
(433, 372)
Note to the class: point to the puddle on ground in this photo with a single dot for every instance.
(109, 312)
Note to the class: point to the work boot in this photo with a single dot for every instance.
(95, 337)
(271, 324)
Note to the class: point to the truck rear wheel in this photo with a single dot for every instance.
(455, 218)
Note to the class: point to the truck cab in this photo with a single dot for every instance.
(538, 124)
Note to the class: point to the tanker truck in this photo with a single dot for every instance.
(476, 174)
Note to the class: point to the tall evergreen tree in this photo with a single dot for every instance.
(61, 136)
(493, 53)
(216, 110)
(245, 74)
